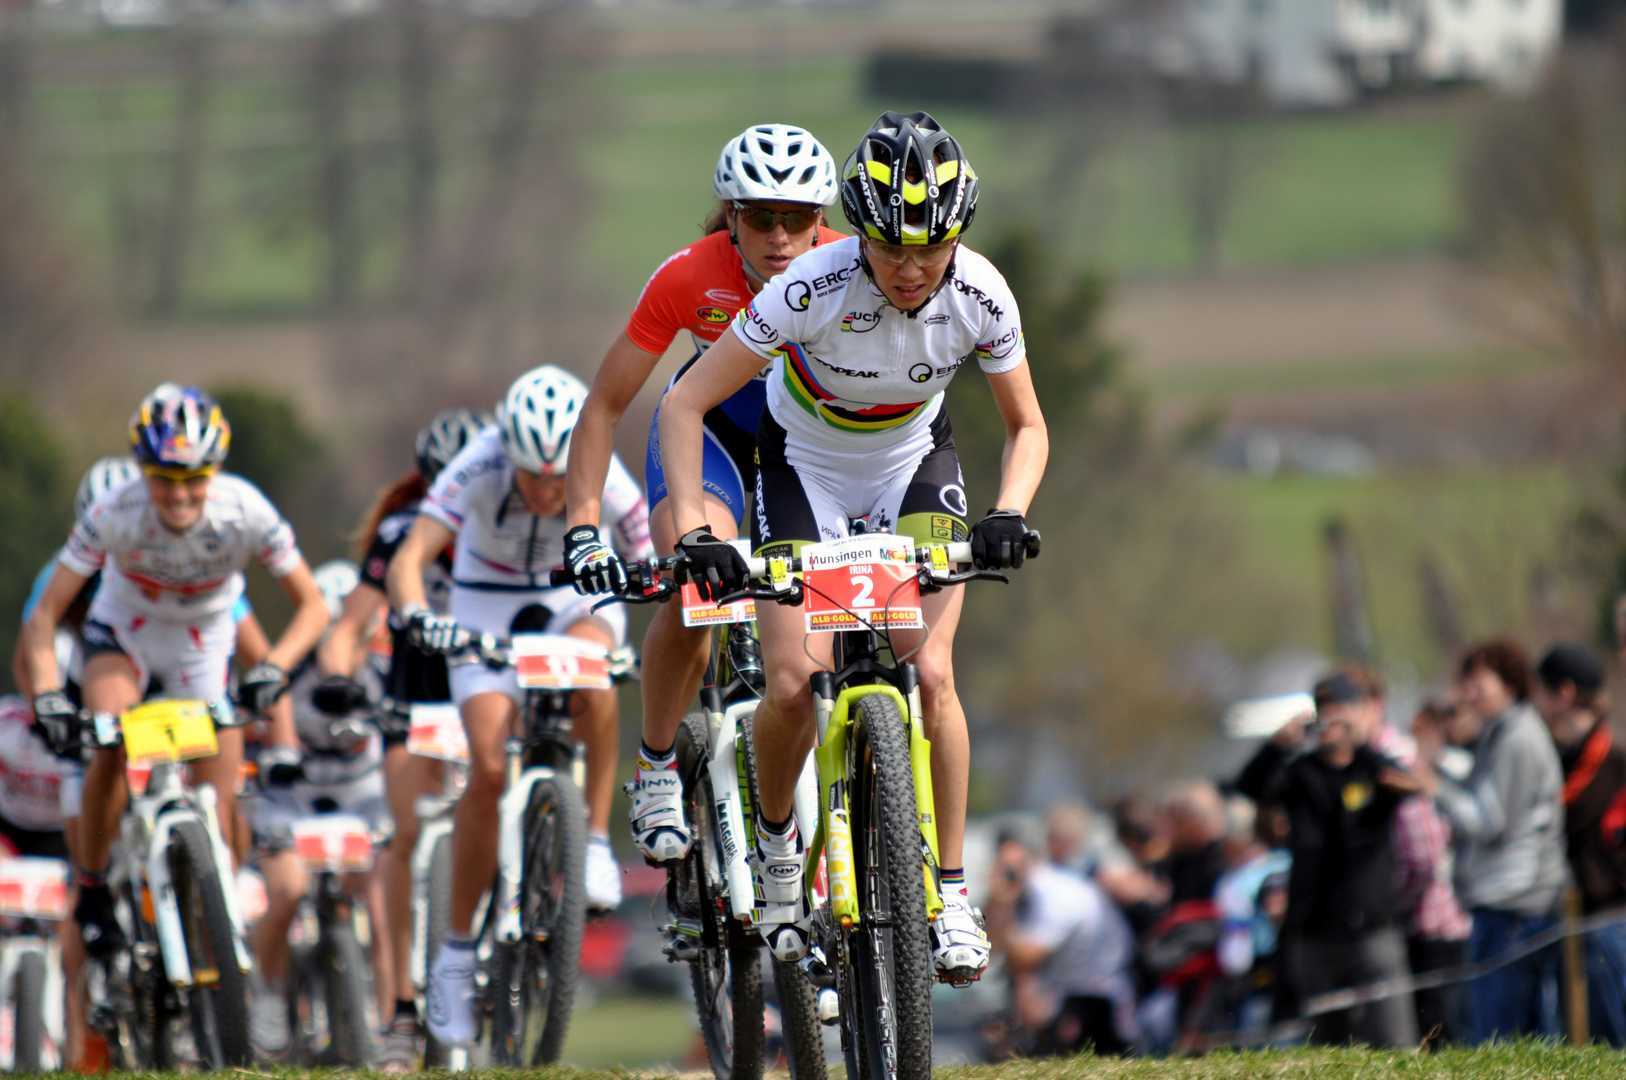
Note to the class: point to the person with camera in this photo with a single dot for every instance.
(1344, 924)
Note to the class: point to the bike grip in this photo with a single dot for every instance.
(1031, 542)
(561, 575)
(959, 552)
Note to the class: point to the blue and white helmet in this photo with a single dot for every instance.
(102, 477)
(537, 416)
(775, 161)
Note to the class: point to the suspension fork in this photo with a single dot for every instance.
(833, 714)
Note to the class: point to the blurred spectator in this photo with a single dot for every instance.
(1068, 952)
(1135, 821)
(1568, 693)
(1344, 908)
(1437, 927)
(1195, 823)
(1507, 817)
(1252, 901)
(1083, 843)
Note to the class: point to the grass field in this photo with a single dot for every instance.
(1306, 189)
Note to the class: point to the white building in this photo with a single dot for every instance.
(1323, 52)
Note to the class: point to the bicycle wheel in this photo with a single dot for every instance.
(435, 1054)
(887, 1004)
(219, 993)
(141, 1035)
(537, 989)
(28, 1021)
(727, 978)
(798, 1001)
(344, 977)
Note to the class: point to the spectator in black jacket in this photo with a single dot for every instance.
(1345, 916)
(1569, 696)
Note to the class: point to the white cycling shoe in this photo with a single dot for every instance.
(449, 996)
(603, 875)
(658, 828)
(783, 919)
(959, 944)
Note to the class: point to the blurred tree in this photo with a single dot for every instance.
(36, 507)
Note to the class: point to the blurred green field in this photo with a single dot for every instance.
(637, 1032)
(1307, 189)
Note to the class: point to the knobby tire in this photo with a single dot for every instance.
(435, 1054)
(219, 1011)
(28, 999)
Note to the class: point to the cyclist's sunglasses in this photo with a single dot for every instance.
(178, 476)
(794, 221)
(927, 257)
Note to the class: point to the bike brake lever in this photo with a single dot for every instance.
(791, 596)
(968, 575)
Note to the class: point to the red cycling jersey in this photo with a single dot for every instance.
(700, 289)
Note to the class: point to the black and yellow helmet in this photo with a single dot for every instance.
(908, 182)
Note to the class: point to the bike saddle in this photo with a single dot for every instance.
(531, 619)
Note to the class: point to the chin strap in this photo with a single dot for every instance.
(752, 274)
(914, 312)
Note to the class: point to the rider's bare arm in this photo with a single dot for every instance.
(253, 645)
(39, 632)
(427, 539)
(1027, 441)
(623, 373)
(310, 617)
(727, 366)
(343, 650)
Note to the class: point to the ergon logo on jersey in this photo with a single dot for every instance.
(983, 298)
(860, 322)
(798, 294)
(755, 328)
(825, 284)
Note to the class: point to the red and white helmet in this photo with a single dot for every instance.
(536, 418)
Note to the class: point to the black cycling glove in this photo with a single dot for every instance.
(280, 767)
(56, 720)
(999, 540)
(596, 568)
(434, 633)
(339, 695)
(260, 688)
(715, 566)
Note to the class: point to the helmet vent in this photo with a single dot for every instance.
(780, 174)
(807, 174)
(765, 145)
(751, 171)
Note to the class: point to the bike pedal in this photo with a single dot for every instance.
(957, 980)
(680, 941)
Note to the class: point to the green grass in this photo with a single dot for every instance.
(1492, 531)
(1306, 189)
(630, 1031)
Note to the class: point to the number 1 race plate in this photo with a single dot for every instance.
(34, 888)
(557, 662)
(333, 842)
(437, 732)
(861, 581)
(168, 731)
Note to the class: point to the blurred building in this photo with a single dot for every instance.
(1318, 53)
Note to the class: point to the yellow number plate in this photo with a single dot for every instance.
(168, 731)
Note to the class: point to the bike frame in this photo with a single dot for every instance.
(434, 822)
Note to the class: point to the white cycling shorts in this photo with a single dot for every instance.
(191, 658)
(492, 612)
(273, 813)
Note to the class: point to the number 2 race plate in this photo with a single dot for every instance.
(437, 732)
(34, 888)
(557, 662)
(333, 842)
(861, 581)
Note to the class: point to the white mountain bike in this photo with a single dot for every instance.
(33, 904)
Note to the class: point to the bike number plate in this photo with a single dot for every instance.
(168, 731)
(34, 888)
(333, 842)
(860, 582)
(557, 662)
(698, 612)
(437, 732)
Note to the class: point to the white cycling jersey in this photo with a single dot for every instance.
(153, 572)
(31, 776)
(852, 371)
(501, 546)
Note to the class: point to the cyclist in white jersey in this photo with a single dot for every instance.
(864, 335)
(170, 547)
(502, 501)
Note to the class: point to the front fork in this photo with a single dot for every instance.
(833, 714)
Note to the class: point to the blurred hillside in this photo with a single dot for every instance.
(353, 219)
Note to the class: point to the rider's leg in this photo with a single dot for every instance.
(674, 658)
(598, 727)
(285, 883)
(486, 719)
(222, 772)
(406, 776)
(944, 719)
(110, 686)
(73, 959)
(370, 888)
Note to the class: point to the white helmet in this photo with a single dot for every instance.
(536, 418)
(337, 579)
(102, 477)
(775, 161)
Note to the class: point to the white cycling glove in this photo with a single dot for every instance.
(595, 567)
(434, 633)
